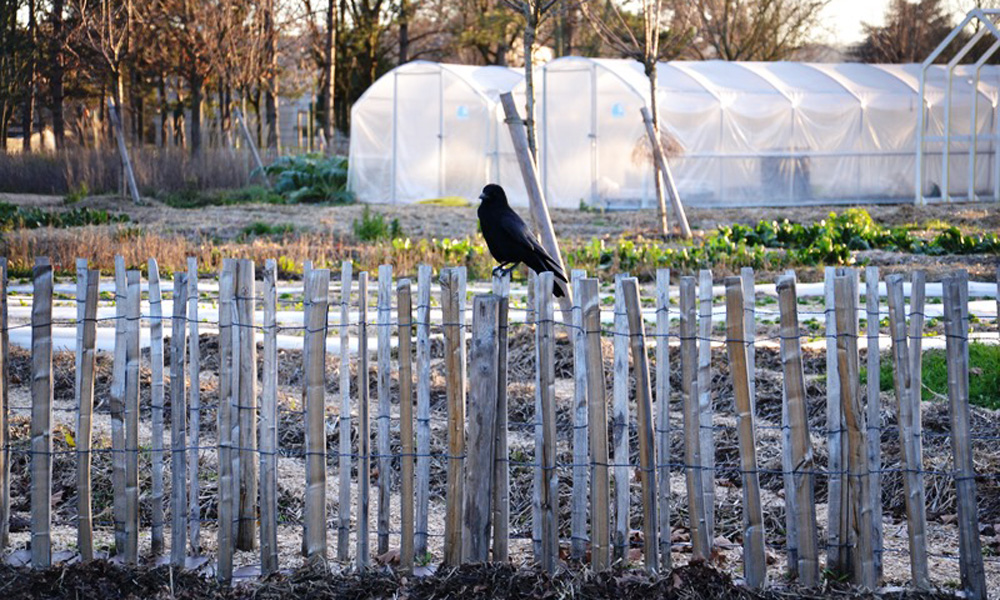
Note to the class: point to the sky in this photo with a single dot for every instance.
(841, 21)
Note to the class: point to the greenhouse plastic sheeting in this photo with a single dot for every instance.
(740, 133)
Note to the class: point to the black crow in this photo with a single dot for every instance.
(510, 239)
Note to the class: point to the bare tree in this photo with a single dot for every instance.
(764, 30)
(911, 32)
(106, 26)
(618, 29)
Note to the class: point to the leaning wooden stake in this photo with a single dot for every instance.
(383, 389)
(456, 417)
(344, 459)
(116, 123)
(874, 412)
(316, 299)
(955, 288)
(501, 464)
(644, 416)
(706, 433)
(87, 299)
(117, 407)
(661, 160)
(246, 531)
(802, 461)
(597, 422)
(41, 417)
(754, 561)
(861, 552)
(253, 147)
(132, 419)
(701, 547)
(178, 426)
(482, 429)
(545, 342)
(620, 424)
(578, 512)
(404, 310)
(227, 522)
(269, 426)
(912, 464)
(364, 425)
(663, 411)
(423, 410)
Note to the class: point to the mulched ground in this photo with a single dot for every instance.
(101, 580)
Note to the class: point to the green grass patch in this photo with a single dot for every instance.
(374, 226)
(262, 229)
(195, 198)
(984, 374)
(19, 217)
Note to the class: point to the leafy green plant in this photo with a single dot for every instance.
(262, 229)
(374, 226)
(311, 178)
(18, 217)
(77, 193)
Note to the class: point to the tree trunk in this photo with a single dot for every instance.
(271, 98)
(27, 112)
(196, 82)
(530, 23)
(404, 31)
(658, 176)
(330, 71)
(58, 121)
(164, 113)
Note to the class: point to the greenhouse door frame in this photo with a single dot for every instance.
(395, 132)
(984, 17)
(592, 70)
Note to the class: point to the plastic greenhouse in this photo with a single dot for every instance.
(427, 130)
(741, 133)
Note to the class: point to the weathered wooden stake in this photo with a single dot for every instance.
(545, 363)
(423, 409)
(501, 453)
(578, 512)
(701, 545)
(705, 412)
(383, 389)
(456, 417)
(644, 416)
(955, 289)
(912, 463)
(246, 395)
(132, 313)
(178, 425)
(88, 281)
(317, 287)
(597, 423)
(344, 497)
(663, 411)
(404, 310)
(41, 417)
(754, 561)
(4, 411)
(156, 398)
(364, 424)
(117, 407)
(620, 424)
(874, 413)
(836, 545)
(227, 485)
(269, 426)
(194, 407)
(668, 178)
(482, 429)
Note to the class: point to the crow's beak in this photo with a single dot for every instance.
(482, 196)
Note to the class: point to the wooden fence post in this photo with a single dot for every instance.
(597, 423)
(916, 509)
(404, 310)
(663, 411)
(132, 314)
(917, 292)
(178, 425)
(364, 425)
(874, 414)
(578, 512)
(87, 286)
(701, 545)
(4, 411)
(117, 407)
(750, 329)
(227, 521)
(620, 424)
(456, 417)
(345, 458)
(41, 417)
(194, 407)
(860, 546)
(156, 399)
(246, 531)
(836, 545)
(754, 561)
(644, 416)
(383, 388)
(482, 429)
(955, 289)
(423, 410)
(269, 426)
(317, 287)
(501, 452)
(545, 364)
(705, 412)
(802, 461)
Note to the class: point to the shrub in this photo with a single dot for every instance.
(374, 226)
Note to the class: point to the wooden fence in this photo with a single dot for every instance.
(478, 462)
